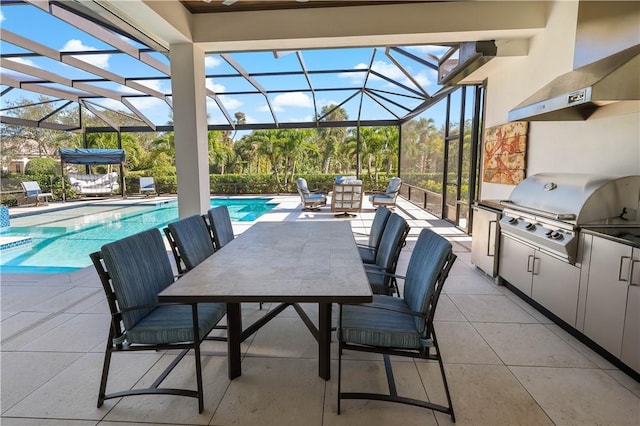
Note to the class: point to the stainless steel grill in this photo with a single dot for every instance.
(547, 210)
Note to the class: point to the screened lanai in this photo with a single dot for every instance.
(86, 62)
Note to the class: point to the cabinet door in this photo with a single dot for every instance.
(555, 286)
(516, 261)
(607, 293)
(483, 243)
(631, 335)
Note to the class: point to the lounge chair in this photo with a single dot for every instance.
(310, 199)
(147, 186)
(133, 271)
(347, 196)
(401, 326)
(32, 190)
(387, 197)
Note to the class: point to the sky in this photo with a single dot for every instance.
(297, 105)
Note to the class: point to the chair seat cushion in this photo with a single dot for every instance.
(365, 325)
(368, 254)
(314, 197)
(382, 199)
(174, 323)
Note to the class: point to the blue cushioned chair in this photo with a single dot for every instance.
(220, 225)
(401, 326)
(310, 199)
(380, 273)
(190, 242)
(133, 271)
(388, 196)
(368, 251)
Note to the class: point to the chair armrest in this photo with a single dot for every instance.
(147, 306)
(369, 268)
(364, 246)
(374, 305)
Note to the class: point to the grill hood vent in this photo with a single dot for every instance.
(577, 94)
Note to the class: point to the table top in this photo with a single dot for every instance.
(280, 262)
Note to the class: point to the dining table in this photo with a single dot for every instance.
(287, 262)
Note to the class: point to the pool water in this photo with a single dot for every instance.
(62, 240)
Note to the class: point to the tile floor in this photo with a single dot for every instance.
(506, 363)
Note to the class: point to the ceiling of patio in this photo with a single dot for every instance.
(86, 57)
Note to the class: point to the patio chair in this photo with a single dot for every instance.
(148, 186)
(368, 251)
(190, 242)
(310, 199)
(401, 326)
(220, 226)
(32, 190)
(380, 273)
(387, 197)
(133, 271)
(347, 196)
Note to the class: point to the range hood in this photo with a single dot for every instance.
(577, 94)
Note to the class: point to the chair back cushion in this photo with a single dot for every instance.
(139, 268)
(147, 184)
(378, 225)
(192, 239)
(425, 266)
(303, 189)
(31, 188)
(391, 242)
(394, 186)
(221, 226)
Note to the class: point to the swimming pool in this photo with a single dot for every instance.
(62, 240)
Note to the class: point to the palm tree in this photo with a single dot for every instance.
(331, 137)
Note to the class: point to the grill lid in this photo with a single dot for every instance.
(580, 198)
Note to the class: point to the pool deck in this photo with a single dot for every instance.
(506, 362)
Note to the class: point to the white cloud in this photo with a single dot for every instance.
(75, 45)
(1, 16)
(392, 71)
(217, 88)
(293, 99)
(23, 61)
(230, 103)
(211, 61)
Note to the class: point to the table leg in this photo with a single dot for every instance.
(324, 340)
(234, 338)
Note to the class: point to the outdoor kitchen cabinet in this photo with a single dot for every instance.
(484, 244)
(612, 313)
(551, 282)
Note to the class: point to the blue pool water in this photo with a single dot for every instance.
(62, 240)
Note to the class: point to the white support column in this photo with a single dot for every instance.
(190, 124)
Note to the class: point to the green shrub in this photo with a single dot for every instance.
(42, 166)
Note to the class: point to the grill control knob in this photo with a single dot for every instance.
(548, 233)
(557, 236)
(513, 220)
(530, 227)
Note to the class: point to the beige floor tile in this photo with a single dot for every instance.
(580, 396)
(460, 343)
(174, 409)
(472, 283)
(625, 380)
(74, 300)
(27, 372)
(530, 344)
(273, 391)
(73, 393)
(490, 308)
(16, 421)
(274, 340)
(447, 310)
(81, 333)
(483, 395)
(17, 298)
(26, 327)
(369, 376)
(580, 347)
